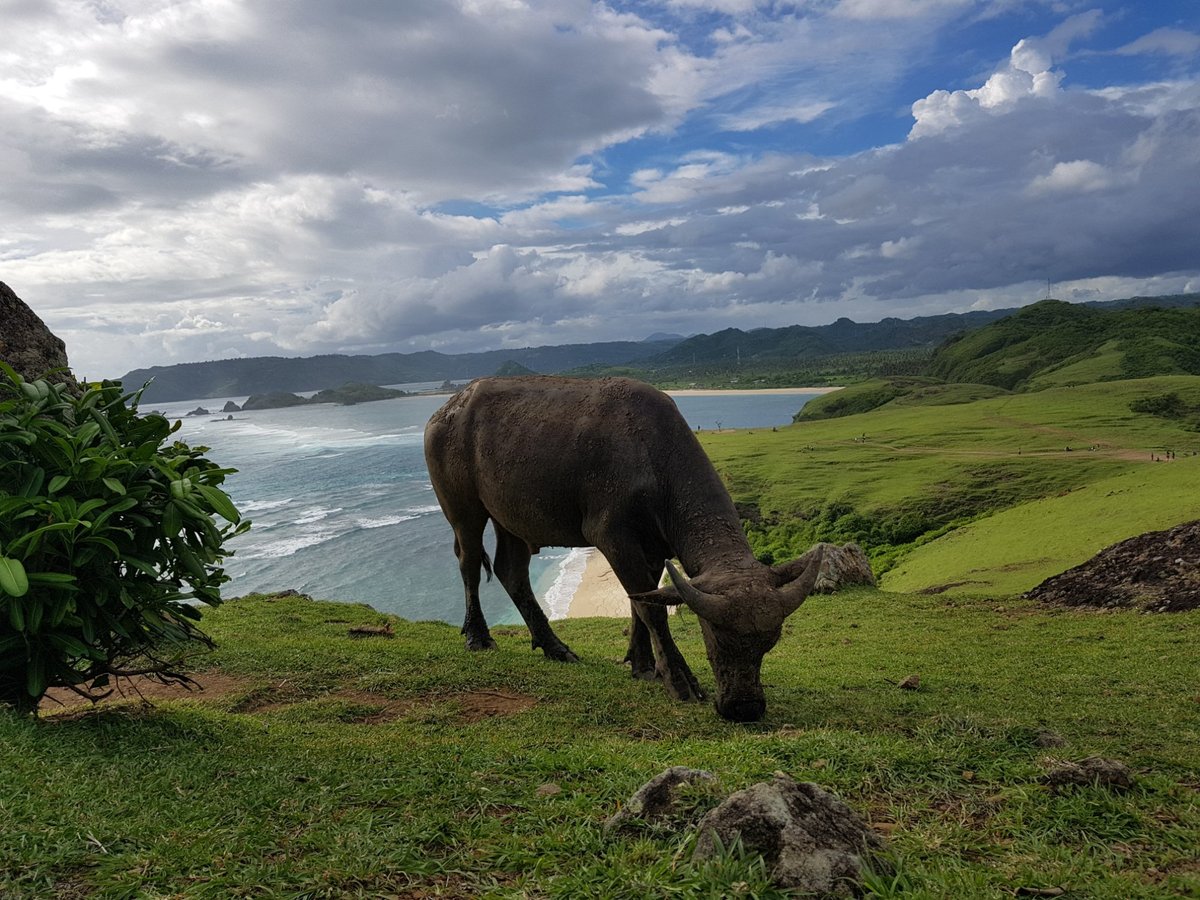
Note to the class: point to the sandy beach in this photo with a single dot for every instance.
(599, 593)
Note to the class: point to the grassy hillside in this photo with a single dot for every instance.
(874, 393)
(1055, 343)
(900, 476)
(1018, 548)
(321, 766)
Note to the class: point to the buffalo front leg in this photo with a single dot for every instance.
(512, 568)
(652, 651)
(671, 666)
(471, 557)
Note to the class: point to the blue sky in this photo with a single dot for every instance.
(200, 179)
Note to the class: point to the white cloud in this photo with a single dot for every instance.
(1028, 75)
(897, 9)
(1167, 41)
(177, 186)
(801, 111)
(1076, 176)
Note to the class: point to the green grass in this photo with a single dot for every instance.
(945, 462)
(1105, 364)
(1018, 548)
(294, 785)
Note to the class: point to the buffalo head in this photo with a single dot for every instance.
(741, 615)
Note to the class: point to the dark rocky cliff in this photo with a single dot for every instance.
(26, 343)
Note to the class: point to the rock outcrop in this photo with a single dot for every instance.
(26, 343)
(1157, 572)
(842, 567)
(657, 799)
(273, 400)
(810, 840)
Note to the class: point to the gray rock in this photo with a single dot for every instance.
(26, 343)
(1095, 770)
(230, 407)
(655, 800)
(809, 838)
(841, 567)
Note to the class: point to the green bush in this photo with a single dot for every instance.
(107, 539)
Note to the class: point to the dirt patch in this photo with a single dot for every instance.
(474, 706)
(1157, 572)
(364, 707)
(367, 708)
(208, 686)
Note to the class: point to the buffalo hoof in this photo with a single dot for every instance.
(683, 686)
(647, 674)
(562, 654)
(481, 643)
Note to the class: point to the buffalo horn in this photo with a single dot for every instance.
(795, 593)
(706, 606)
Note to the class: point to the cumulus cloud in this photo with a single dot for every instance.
(1076, 176)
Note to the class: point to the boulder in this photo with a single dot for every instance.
(842, 567)
(26, 343)
(199, 411)
(655, 801)
(230, 407)
(810, 840)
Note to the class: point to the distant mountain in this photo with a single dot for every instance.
(843, 336)
(264, 374)
(1052, 343)
(664, 336)
(512, 367)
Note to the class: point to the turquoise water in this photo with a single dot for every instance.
(343, 509)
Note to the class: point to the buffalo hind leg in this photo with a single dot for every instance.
(512, 568)
(651, 647)
(468, 547)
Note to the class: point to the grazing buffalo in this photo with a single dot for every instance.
(612, 464)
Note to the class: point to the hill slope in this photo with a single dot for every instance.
(1052, 342)
(842, 336)
(897, 478)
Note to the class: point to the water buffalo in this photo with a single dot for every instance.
(612, 464)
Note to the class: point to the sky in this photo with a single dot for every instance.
(183, 180)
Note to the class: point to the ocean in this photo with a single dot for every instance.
(342, 507)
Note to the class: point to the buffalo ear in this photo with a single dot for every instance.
(663, 596)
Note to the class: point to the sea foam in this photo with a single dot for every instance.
(570, 576)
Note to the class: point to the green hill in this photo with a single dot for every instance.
(512, 367)
(926, 464)
(1052, 343)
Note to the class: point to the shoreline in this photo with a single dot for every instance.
(598, 592)
(721, 392)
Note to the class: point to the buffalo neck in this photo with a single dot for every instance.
(701, 523)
